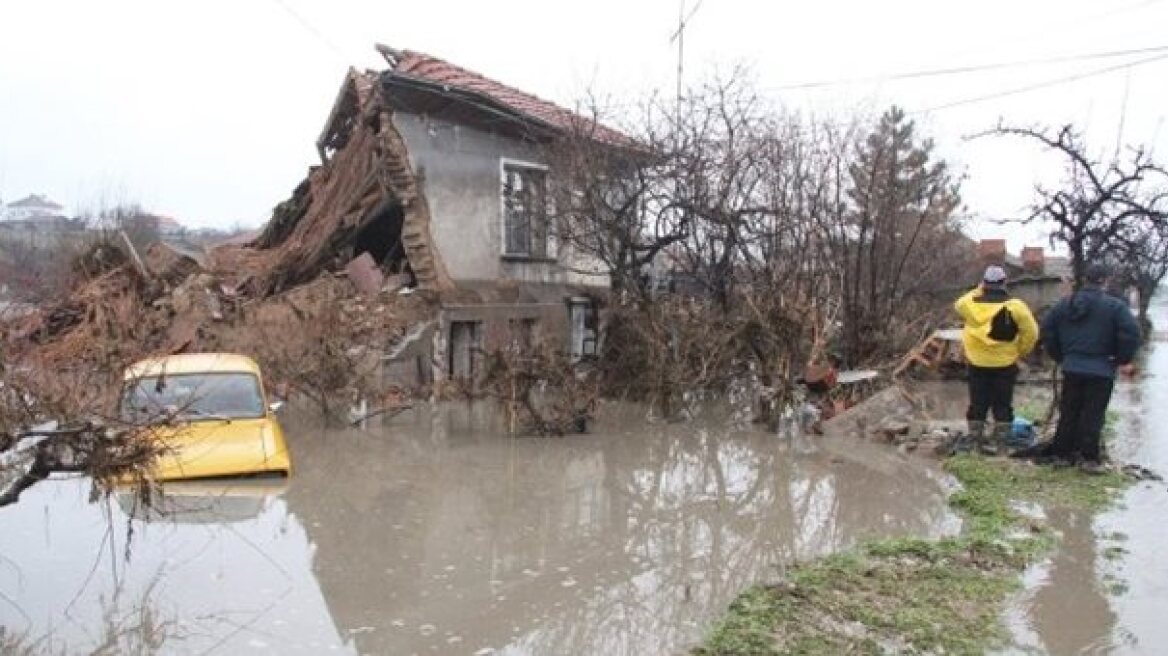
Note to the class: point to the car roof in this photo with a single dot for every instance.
(192, 363)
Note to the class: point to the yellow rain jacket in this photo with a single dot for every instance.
(977, 309)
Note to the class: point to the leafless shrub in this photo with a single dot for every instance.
(543, 390)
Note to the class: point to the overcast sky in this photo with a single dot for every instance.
(208, 110)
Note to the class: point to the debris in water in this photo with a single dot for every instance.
(1141, 473)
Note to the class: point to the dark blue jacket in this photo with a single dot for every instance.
(1091, 333)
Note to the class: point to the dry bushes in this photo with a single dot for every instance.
(667, 351)
(36, 440)
(325, 342)
(543, 390)
(674, 351)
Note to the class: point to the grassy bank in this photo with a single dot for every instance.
(916, 595)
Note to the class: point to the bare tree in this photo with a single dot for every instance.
(719, 181)
(1115, 211)
(772, 230)
(1145, 265)
(611, 201)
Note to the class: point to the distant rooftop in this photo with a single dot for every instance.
(36, 201)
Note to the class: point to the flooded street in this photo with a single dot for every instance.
(1106, 588)
(435, 533)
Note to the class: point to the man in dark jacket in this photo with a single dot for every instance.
(1090, 334)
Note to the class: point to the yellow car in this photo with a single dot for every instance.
(209, 413)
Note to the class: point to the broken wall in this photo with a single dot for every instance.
(364, 197)
(461, 168)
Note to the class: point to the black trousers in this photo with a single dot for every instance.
(1082, 412)
(991, 388)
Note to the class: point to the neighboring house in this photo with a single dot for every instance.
(34, 224)
(1036, 278)
(440, 175)
(168, 226)
(34, 207)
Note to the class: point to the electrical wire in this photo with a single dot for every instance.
(974, 68)
(1042, 85)
(1058, 26)
(312, 30)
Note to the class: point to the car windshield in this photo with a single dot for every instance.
(193, 397)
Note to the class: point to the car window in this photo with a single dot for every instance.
(193, 397)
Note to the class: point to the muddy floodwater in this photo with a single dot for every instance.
(436, 533)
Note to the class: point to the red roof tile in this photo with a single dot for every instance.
(425, 67)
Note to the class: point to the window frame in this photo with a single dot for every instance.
(550, 250)
(589, 346)
(474, 362)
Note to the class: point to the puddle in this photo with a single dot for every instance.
(435, 533)
(1105, 590)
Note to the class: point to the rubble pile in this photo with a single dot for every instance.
(179, 303)
(907, 416)
(347, 252)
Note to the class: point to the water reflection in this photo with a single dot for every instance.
(1070, 610)
(207, 569)
(203, 502)
(435, 533)
(434, 536)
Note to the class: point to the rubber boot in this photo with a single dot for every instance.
(979, 439)
(977, 435)
(992, 441)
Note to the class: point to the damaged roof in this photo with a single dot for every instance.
(447, 78)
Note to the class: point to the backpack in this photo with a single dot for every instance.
(1002, 326)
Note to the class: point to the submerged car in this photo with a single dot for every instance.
(210, 415)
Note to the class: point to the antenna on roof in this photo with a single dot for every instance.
(391, 55)
(679, 36)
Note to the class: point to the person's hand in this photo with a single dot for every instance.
(1127, 370)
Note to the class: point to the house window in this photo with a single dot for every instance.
(465, 349)
(525, 215)
(582, 324)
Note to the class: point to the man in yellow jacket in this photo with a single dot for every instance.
(999, 331)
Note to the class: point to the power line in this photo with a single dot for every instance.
(1042, 85)
(1059, 26)
(312, 30)
(974, 68)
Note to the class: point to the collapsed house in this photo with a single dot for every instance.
(434, 178)
(430, 202)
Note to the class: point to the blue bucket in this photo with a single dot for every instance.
(1022, 433)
